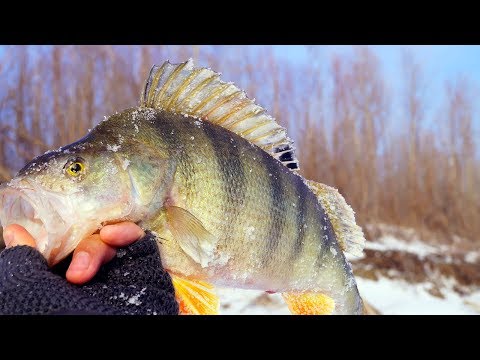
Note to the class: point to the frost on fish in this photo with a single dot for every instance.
(125, 164)
(113, 148)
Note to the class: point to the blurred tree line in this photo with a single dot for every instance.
(350, 131)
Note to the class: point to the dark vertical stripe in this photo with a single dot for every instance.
(167, 126)
(227, 155)
(302, 200)
(172, 129)
(277, 206)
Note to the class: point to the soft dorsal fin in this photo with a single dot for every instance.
(349, 234)
(199, 92)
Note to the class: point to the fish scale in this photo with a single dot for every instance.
(270, 204)
(232, 173)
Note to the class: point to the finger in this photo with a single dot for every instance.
(89, 255)
(121, 234)
(15, 234)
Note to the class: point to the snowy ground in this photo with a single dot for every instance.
(416, 247)
(396, 297)
(251, 302)
(390, 297)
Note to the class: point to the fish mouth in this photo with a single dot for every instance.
(45, 217)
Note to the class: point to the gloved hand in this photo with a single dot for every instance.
(133, 282)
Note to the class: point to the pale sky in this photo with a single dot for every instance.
(439, 63)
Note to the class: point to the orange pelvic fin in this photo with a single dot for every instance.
(309, 303)
(195, 297)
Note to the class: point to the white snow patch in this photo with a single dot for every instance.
(221, 259)
(134, 300)
(125, 164)
(250, 233)
(240, 301)
(333, 251)
(472, 257)
(421, 249)
(390, 297)
(113, 148)
(397, 297)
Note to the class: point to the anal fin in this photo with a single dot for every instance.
(195, 297)
(309, 303)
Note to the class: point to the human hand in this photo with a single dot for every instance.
(134, 282)
(91, 253)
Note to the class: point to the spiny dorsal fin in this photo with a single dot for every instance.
(341, 215)
(199, 92)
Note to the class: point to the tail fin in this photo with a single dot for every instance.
(349, 234)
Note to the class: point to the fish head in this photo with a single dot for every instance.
(65, 195)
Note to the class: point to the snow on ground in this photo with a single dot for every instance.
(397, 297)
(390, 297)
(416, 247)
(421, 249)
(472, 257)
(250, 302)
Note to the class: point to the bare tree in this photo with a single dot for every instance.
(344, 122)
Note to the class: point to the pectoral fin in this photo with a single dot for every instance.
(195, 297)
(191, 235)
(309, 303)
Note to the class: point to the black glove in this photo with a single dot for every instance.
(134, 282)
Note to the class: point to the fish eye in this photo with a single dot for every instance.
(75, 167)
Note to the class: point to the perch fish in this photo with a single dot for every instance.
(215, 178)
